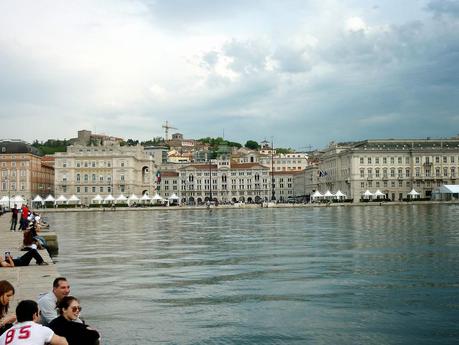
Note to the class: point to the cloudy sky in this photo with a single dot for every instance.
(303, 72)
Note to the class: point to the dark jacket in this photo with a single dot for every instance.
(76, 333)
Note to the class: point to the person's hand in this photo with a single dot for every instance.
(9, 318)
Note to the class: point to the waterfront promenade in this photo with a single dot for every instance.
(28, 281)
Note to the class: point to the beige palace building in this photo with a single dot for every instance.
(87, 171)
(393, 166)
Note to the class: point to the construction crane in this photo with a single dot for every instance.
(166, 130)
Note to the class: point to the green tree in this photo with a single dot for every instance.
(284, 150)
(252, 144)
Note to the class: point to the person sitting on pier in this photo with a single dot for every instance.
(6, 295)
(22, 260)
(49, 300)
(27, 330)
(68, 325)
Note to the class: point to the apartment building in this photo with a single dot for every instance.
(393, 166)
(104, 169)
(24, 171)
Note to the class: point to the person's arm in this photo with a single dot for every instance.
(7, 319)
(58, 340)
(47, 309)
(9, 263)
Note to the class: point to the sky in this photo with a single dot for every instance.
(302, 73)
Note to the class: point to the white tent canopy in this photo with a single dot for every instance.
(50, 198)
(174, 197)
(122, 198)
(109, 198)
(328, 194)
(132, 198)
(367, 193)
(18, 199)
(316, 194)
(61, 199)
(413, 192)
(4, 199)
(38, 198)
(378, 193)
(74, 199)
(157, 197)
(340, 194)
(145, 197)
(97, 199)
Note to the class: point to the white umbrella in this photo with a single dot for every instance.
(50, 198)
(18, 199)
(378, 193)
(74, 199)
(133, 197)
(37, 199)
(367, 194)
(145, 198)
(413, 194)
(61, 199)
(340, 194)
(157, 197)
(316, 195)
(174, 197)
(328, 194)
(121, 198)
(4, 200)
(109, 198)
(97, 199)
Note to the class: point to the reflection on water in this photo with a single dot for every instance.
(373, 275)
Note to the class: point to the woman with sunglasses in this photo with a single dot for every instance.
(67, 325)
(6, 295)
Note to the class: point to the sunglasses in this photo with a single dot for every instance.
(75, 309)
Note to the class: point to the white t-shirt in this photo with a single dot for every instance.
(27, 333)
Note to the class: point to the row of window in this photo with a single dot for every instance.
(417, 160)
(13, 164)
(12, 186)
(438, 172)
(399, 184)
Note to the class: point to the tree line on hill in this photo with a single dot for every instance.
(52, 146)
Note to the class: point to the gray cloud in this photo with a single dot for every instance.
(439, 8)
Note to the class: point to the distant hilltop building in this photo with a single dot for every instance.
(179, 144)
(87, 138)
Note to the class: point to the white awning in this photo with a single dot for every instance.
(157, 197)
(174, 197)
(121, 198)
(49, 198)
(145, 197)
(97, 198)
(339, 194)
(109, 198)
(328, 194)
(133, 197)
(413, 192)
(18, 199)
(74, 198)
(38, 198)
(316, 194)
(61, 198)
(367, 193)
(379, 193)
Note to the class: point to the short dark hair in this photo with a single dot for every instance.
(65, 303)
(58, 280)
(25, 310)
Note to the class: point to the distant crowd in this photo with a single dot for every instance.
(54, 318)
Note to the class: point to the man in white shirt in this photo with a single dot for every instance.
(27, 331)
(47, 302)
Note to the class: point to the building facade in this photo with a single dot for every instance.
(86, 171)
(222, 180)
(24, 171)
(393, 166)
